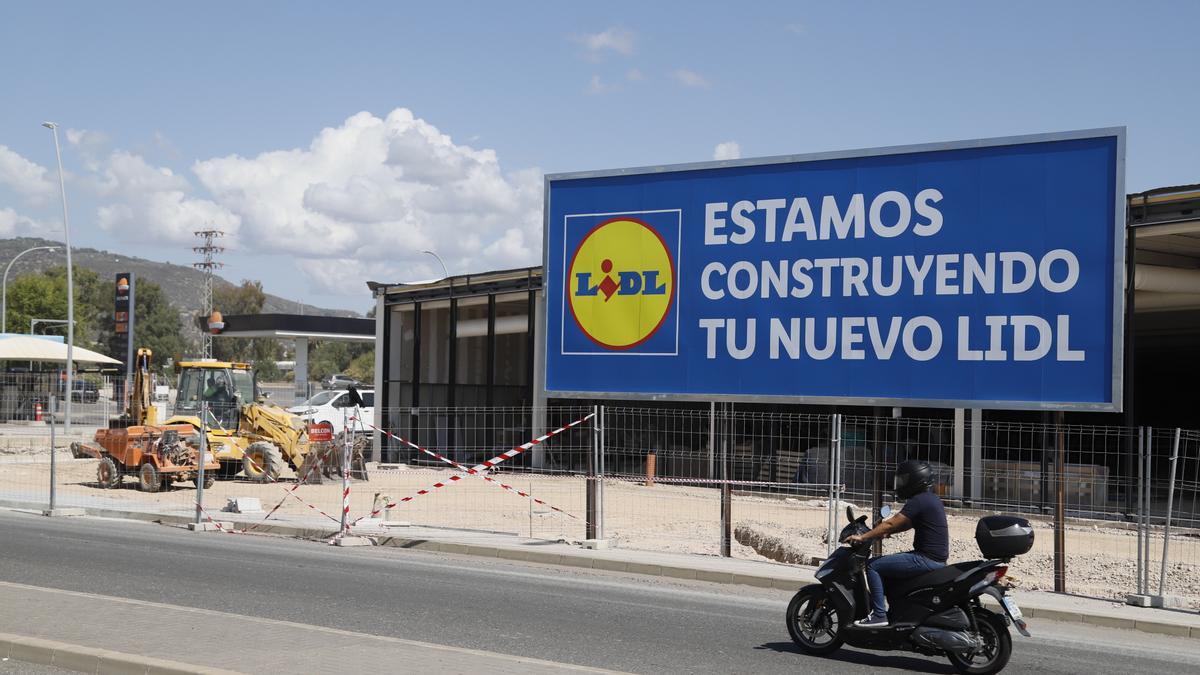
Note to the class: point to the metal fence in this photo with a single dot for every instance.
(1109, 504)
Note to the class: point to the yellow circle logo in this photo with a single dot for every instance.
(621, 283)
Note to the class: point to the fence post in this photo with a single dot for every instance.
(1060, 526)
(1146, 506)
(833, 437)
(726, 488)
(202, 460)
(712, 437)
(959, 451)
(592, 461)
(878, 457)
(53, 455)
(345, 528)
(600, 479)
(1162, 573)
(1141, 444)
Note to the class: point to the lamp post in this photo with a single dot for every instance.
(439, 259)
(4, 296)
(62, 187)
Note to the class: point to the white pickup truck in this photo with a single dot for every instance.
(333, 406)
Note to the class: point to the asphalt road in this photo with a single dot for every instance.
(608, 620)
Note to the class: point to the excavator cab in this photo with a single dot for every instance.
(225, 386)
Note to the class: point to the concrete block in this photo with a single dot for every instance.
(244, 505)
(1163, 628)
(211, 526)
(610, 565)
(31, 650)
(575, 561)
(678, 572)
(63, 512)
(1108, 621)
(511, 554)
(80, 660)
(597, 544)
(1140, 600)
(715, 577)
(644, 568)
(349, 540)
(752, 580)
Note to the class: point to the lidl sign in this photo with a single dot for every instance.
(972, 274)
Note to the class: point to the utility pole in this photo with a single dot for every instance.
(208, 250)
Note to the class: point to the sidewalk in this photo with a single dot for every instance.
(1034, 604)
(120, 635)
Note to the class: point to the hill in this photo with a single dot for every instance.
(182, 284)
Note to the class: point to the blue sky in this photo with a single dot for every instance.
(181, 102)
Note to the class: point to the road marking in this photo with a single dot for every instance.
(319, 629)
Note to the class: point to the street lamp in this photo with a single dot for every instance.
(62, 187)
(439, 259)
(4, 301)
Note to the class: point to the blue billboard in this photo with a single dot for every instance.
(972, 274)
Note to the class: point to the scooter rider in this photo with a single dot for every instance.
(925, 514)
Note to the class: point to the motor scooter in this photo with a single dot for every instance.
(937, 613)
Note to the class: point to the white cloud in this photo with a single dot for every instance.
(28, 179)
(148, 203)
(598, 86)
(727, 150)
(689, 78)
(795, 28)
(13, 224)
(614, 39)
(634, 75)
(377, 192)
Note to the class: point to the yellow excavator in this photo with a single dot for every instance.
(246, 434)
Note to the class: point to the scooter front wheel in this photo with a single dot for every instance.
(813, 621)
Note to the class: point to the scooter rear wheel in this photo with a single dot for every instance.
(813, 621)
(997, 646)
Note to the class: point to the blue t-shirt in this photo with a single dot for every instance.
(928, 516)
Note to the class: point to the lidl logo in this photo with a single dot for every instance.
(621, 283)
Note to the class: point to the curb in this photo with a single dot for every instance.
(589, 561)
(93, 660)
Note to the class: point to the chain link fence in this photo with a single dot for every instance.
(709, 480)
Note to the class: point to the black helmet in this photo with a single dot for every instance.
(913, 476)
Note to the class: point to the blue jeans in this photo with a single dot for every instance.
(895, 566)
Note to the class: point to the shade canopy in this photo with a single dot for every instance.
(22, 348)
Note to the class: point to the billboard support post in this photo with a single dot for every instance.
(592, 462)
(1060, 522)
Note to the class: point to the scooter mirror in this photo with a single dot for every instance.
(850, 513)
(885, 511)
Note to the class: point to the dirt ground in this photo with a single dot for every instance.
(685, 519)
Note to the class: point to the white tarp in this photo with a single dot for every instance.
(23, 348)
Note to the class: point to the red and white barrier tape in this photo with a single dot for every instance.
(478, 468)
(289, 493)
(300, 481)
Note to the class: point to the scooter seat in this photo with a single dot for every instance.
(901, 587)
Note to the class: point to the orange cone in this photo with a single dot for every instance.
(37, 412)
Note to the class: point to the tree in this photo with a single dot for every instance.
(329, 357)
(43, 295)
(247, 298)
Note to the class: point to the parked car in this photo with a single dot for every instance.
(339, 381)
(82, 391)
(330, 407)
